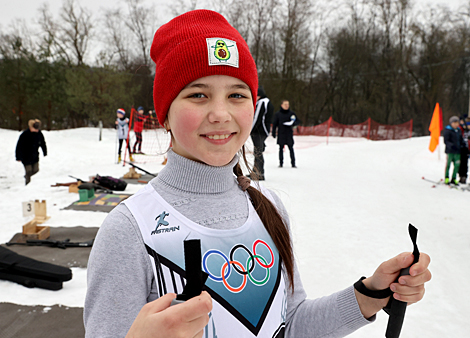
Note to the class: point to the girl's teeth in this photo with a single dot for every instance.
(218, 137)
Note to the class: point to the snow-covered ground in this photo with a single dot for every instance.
(350, 203)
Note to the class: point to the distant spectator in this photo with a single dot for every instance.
(285, 120)
(27, 148)
(122, 125)
(260, 130)
(464, 151)
(139, 120)
(454, 142)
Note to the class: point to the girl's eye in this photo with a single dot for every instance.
(197, 96)
(237, 96)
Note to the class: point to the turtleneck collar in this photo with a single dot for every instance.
(190, 176)
(284, 111)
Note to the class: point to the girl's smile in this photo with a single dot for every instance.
(211, 119)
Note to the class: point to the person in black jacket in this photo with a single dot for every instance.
(27, 148)
(464, 151)
(260, 130)
(284, 120)
(453, 141)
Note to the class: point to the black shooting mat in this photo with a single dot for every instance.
(69, 257)
(41, 321)
(101, 202)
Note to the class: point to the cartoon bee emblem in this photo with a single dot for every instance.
(221, 50)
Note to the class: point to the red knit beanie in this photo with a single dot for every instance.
(193, 45)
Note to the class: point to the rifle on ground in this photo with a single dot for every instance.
(63, 184)
(90, 185)
(55, 244)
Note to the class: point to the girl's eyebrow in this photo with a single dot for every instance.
(196, 85)
(239, 86)
(205, 86)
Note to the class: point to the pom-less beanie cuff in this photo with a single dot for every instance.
(454, 119)
(184, 49)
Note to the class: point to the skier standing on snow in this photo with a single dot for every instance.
(260, 130)
(139, 120)
(464, 151)
(454, 142)
(122, 126)
(284, 122)
(27, 148)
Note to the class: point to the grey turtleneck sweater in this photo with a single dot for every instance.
(120, 275)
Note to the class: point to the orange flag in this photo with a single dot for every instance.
(435, 127)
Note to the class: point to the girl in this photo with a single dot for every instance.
(122, 126)
(204, 92)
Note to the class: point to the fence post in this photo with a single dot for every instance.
(100, 126)
(368, 128)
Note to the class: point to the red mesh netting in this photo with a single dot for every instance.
(368, 129)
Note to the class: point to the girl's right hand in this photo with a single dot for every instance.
(158, 319)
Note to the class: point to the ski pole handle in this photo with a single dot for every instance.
(395, 308)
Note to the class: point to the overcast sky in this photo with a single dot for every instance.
(28, 9)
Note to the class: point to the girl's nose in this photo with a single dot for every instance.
(219, 112)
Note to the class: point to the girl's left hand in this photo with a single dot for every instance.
(409, 289)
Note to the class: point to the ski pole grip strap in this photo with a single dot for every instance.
(395, 308)
(377, 294)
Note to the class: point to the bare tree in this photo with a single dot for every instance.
(52, 48)
(141, 21)
(76, 29)
(117, 38)
(179, 7)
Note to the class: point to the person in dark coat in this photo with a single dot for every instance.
(453, 141)
(464, 151)
(260, 130)
(285, 120)
(27, 148)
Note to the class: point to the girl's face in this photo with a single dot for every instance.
(211, 119)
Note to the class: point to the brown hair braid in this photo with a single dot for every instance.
(272, 221)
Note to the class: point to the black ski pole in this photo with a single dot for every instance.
(395, 308)
(145, 171)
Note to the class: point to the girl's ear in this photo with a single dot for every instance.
(166, 124)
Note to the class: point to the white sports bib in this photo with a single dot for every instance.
(245, 280)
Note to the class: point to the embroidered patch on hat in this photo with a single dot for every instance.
(222, 52)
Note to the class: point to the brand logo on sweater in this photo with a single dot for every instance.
(161, 222)
(245, 268)
(222, 52)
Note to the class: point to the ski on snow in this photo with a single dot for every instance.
(451, 186)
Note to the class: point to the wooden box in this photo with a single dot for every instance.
(132, 174)
(33, 231)
(74, 187)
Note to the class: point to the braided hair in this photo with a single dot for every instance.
(272, 221)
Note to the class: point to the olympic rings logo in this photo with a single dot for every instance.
(244, 270)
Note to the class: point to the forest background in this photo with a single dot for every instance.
(350, 59)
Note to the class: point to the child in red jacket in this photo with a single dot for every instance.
(139, 120)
